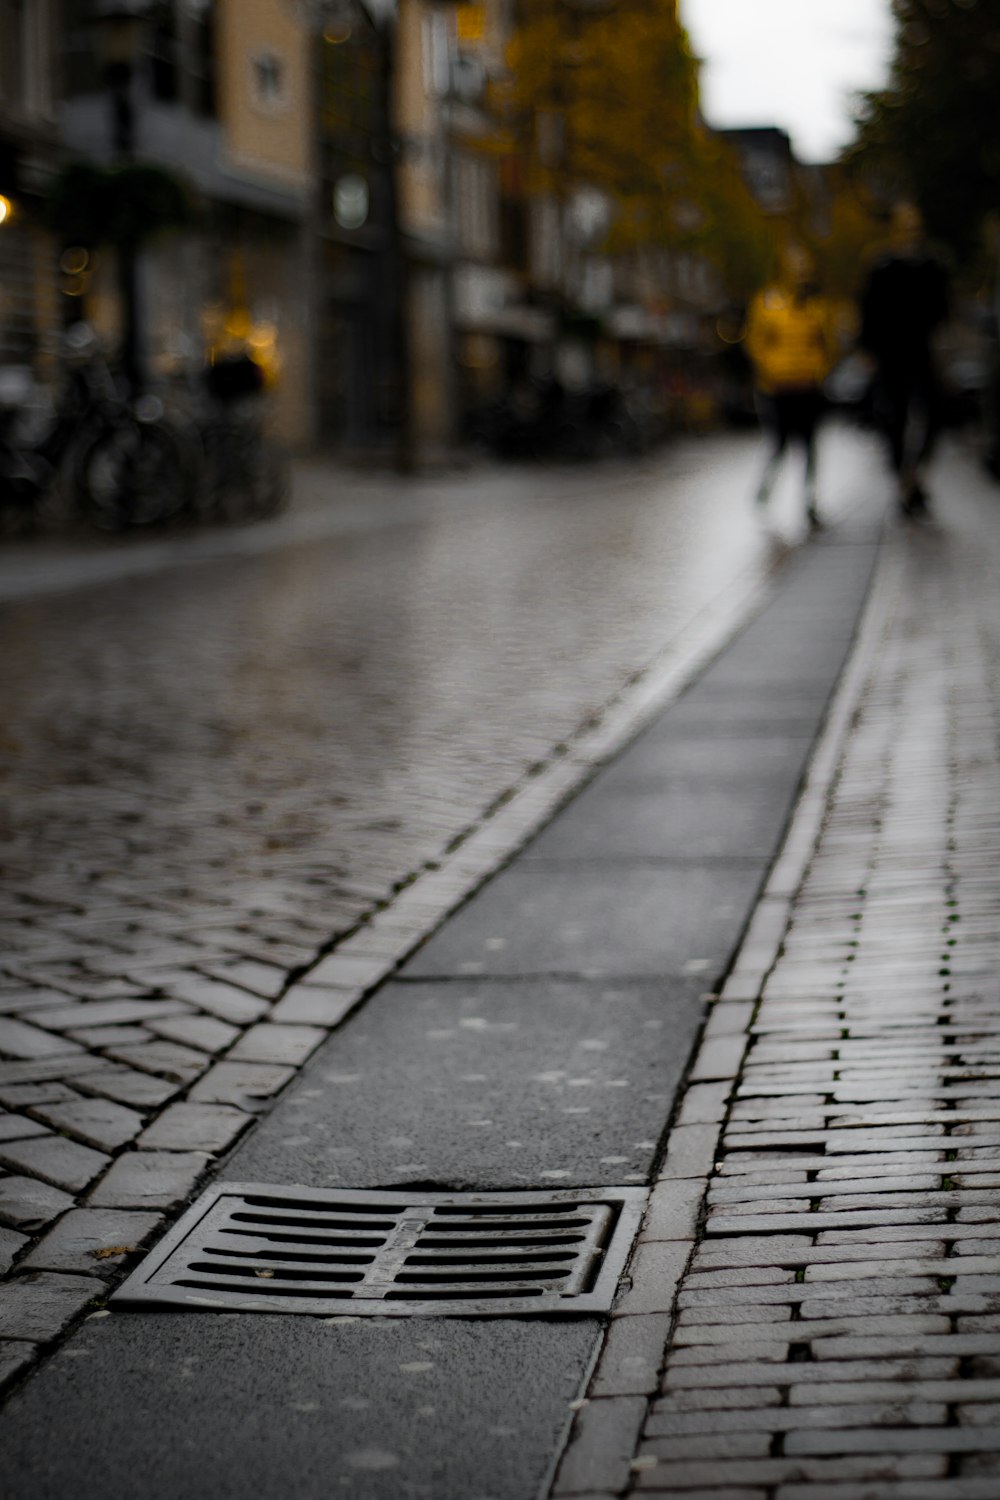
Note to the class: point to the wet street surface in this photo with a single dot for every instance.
(537, 1040)
(286, 736)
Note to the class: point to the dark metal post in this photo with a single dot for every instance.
(397, 267)
(121, 23)
(391, 266)
(119, 76)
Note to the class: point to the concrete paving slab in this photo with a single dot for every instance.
(651, 921)
(712, 818)
(491, 1083)
(307, 1406)
(661, 758)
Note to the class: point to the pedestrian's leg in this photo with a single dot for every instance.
(770, 471)
(812, 513)
(806, 420)
(891, 408)
(897, 416)
(896, 424)
(773, 419)
(927, 418)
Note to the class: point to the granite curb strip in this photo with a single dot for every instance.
(200, 1097)
(605, 1437)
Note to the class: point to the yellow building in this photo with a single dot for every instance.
(220, 95)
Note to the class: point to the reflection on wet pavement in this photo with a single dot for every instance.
(294, 732)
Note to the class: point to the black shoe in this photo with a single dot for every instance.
(914, 504)
(919, 504)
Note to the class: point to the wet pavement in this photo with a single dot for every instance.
(537, 1040)
(273, 764)
(223, 753)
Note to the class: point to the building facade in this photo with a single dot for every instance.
(396, 245)
(218, 94)
(29, 158)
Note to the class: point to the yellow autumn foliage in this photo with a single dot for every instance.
(605, 96)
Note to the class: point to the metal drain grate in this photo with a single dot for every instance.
(256, 1248)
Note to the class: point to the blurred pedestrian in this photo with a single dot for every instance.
(791, 346)
(904, 302)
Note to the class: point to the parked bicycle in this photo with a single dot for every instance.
(102, 456)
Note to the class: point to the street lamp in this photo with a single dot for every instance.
(120, 26)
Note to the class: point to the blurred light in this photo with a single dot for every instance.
(350, 201)
(337, 33)
(262, 336)
(74, 260)
(74, 286)
(730, 330)
(237, 325)
(6, 209)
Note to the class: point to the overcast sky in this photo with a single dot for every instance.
(791, 63)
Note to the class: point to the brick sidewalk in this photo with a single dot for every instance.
(836, 1330)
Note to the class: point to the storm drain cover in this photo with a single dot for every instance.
(256, 1248)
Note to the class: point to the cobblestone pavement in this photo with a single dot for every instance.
(244, 774)
(836, 1330)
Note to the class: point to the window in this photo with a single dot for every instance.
(436, 49)
(476, 191)
(268, 80)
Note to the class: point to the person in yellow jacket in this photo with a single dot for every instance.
(791, 347)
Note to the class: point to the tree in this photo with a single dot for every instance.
(934, 132)
(610, 93)
(603, 94)
(734, 233)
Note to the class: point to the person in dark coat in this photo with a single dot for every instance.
(904, 302)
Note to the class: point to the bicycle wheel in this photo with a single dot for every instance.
(131, 475)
